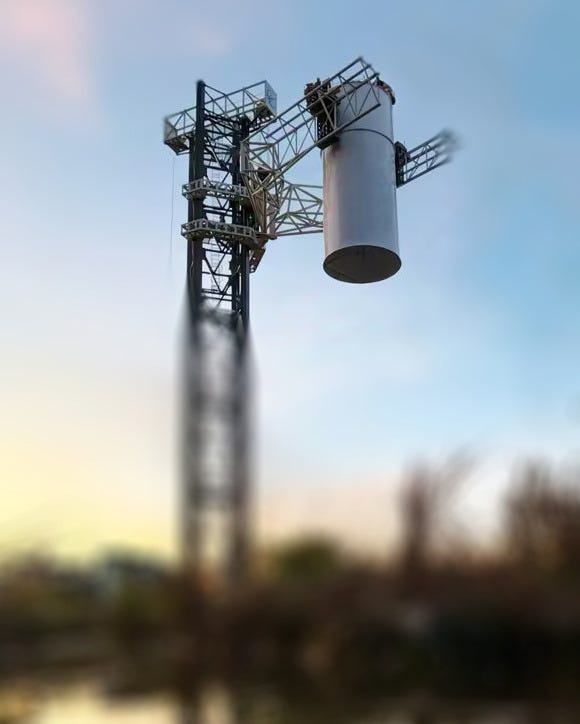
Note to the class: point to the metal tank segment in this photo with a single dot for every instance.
(360, 205)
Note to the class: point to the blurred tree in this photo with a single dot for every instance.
(424, 509)
(542, 520)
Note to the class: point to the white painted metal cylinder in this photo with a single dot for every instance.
(360, 207)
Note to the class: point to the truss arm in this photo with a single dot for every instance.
(300, 210)
(423, 158)
(271, 150)
(257, 102)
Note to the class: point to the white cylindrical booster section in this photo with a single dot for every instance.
(360, 206)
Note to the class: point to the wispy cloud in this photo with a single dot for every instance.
(49, 40)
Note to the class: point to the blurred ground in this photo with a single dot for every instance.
(443, 621)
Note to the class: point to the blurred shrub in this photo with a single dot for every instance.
(306, 560)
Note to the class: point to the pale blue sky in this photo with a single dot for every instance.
(474, 343)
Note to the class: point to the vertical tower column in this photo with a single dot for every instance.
(216, 476)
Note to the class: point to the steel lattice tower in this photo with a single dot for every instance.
(215, 425)
(239, 198)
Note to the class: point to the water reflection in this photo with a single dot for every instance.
(93, 701)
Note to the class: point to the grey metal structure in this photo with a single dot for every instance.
(238, 198)
(427, 156)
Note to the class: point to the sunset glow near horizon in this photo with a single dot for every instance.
(473, 345)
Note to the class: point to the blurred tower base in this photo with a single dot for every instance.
(216, 472)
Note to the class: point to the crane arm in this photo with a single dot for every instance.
(272, 149)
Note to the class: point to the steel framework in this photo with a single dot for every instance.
(219, 232)
(238, 198)
(427, 156)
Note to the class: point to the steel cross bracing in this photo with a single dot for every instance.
(299, 210)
